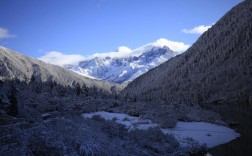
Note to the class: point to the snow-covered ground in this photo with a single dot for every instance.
(130, 122)
(204, 133)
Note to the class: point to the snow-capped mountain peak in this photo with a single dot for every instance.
(124, 69)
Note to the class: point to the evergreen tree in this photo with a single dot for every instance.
(33, 78)
(13, 108)
(78, 89)
(85, 89)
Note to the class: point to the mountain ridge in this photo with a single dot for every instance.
(17, 66)
(123, 69)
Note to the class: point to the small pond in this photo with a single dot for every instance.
(204, 133)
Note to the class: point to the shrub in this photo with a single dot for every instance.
(154, 141)
(97, 118)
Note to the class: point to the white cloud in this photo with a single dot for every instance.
(58, 58)
(197, 30)
(124, 49)
(121, 51)
(178, 47)
(173, 45)
(4, 33)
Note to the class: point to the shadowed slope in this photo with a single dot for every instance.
(216, 69)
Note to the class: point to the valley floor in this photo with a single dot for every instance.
(47, 121)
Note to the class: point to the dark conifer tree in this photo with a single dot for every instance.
(13, 108)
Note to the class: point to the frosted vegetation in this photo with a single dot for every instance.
(72, 135)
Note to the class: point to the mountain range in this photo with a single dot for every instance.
(123, 69)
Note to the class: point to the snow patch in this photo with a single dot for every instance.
(124, 72)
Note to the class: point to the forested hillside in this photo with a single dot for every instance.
(14, 66)
(216, 69)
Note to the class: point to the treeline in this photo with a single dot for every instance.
(16, 97)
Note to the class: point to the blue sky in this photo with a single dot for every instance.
(84, 27)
